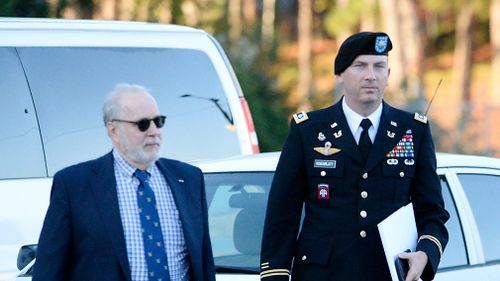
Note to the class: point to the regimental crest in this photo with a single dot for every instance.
(381, 43)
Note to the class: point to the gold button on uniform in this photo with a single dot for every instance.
(364, 194)
(304, 257)
(363, 214)
(323, 173)
(362, 233)
(365, 176)
(402, 174)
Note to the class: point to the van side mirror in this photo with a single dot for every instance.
(26, 254)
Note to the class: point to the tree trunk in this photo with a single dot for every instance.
(495, 47)
(191, 12)
(463, 52)
(235, 23)
(268, 15)
(413, 51)
(368, 16)
(391, 17)
(462, 67)
(124, 9)
(249, 8)
(304, 23)
(106, 10)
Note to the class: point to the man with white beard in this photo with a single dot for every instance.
(128, 215)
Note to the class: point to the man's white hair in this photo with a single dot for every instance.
(112, 104)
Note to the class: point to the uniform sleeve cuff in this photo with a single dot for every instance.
(429, 247)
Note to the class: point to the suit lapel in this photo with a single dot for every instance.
(181, 194)
(388, 135)
(104, 189)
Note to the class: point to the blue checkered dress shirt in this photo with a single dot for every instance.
(126, 186)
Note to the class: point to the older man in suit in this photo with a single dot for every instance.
(128, 215)
(351, 165)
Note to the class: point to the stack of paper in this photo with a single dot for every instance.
(398, 233)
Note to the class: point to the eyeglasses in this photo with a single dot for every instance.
(144, 123)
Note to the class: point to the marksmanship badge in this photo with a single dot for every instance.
(381, 43)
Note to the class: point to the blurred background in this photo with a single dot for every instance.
(283, 52)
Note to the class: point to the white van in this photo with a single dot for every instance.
(54, 76)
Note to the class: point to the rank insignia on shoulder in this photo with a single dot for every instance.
(300, 117)
(421, 118)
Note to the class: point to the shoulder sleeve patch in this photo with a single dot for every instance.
(300, 117)
(421, 118)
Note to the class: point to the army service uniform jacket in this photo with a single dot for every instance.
(344, 198)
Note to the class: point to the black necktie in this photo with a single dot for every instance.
(154, 250)
(365, 143)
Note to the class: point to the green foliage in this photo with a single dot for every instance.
(341, 19)
(24, 8)
(267, 109)
(253, 68)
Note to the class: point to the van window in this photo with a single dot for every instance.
(483, 193)
(20, 146)
(454, 253)
(69, 86)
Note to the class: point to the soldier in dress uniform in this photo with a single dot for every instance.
(346, 168)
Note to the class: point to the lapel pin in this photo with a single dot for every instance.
(328, 145)
(390, 134)
(321, 136)
(409, 162)
(394, 124)
(181, 180)
(392, 161)
(333, 125)
(337, 134)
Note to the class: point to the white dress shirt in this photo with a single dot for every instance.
(354, 121)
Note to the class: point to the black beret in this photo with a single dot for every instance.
(363, 43)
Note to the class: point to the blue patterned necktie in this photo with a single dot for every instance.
(154, 248)
(365, 143)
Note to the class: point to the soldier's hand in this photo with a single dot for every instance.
(417, 262)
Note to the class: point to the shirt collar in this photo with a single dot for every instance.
(354, 119)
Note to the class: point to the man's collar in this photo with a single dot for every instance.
(354, 119)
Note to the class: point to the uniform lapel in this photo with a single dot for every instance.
(343, 137)
(104, 189)
(388, 135)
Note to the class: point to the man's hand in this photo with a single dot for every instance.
(417, 262)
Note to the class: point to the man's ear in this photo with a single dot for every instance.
(112, 130)
(388, 75)
(338, 78)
